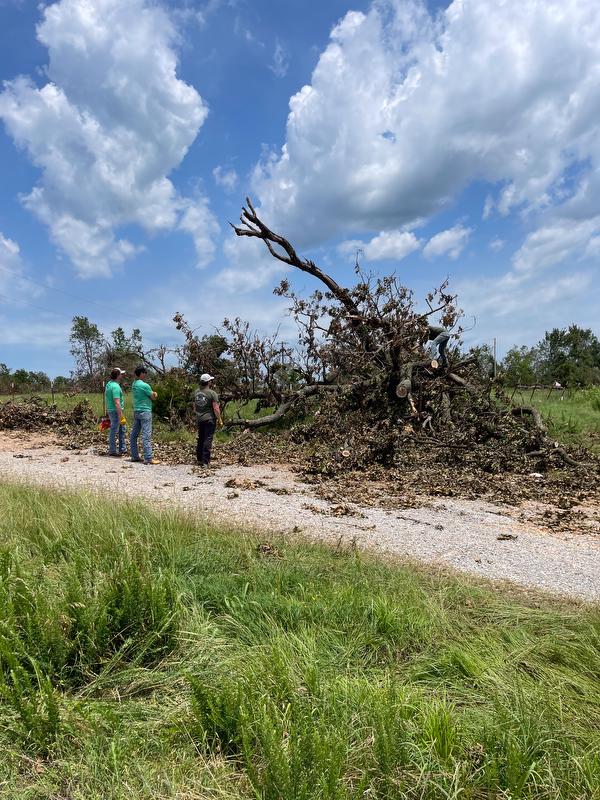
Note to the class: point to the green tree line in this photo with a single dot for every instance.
(20, 381)
(569, 356)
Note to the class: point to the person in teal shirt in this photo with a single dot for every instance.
(143, 396)
(115, 407)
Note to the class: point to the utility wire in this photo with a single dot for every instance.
(47, 310)
(73, 296)
(33, 305)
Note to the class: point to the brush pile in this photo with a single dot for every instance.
(35, 414)
(361, 390)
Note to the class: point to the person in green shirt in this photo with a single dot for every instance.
(115, 406)
(143, 397)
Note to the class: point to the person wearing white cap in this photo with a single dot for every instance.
(115, 406)
(208, 416)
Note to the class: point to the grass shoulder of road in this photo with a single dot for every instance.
(148, 655)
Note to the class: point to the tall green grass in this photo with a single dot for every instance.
(572, 415)
(145, 655)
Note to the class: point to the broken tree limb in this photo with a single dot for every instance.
(283, 408)
(253, 226)
(553, 447)
(445, 415)
(463, 384)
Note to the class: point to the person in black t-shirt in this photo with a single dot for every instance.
(208, 417)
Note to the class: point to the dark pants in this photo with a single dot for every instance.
(206, 431)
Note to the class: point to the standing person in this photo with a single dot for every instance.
(208, 416)
(142, 417)
(439, 338)
(115, 405)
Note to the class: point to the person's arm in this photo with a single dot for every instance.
(117, 402)
(217, 412)
(152, 395)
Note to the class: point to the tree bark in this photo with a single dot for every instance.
(281, 410)
(404, 387)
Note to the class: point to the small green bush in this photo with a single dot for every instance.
(175, 396)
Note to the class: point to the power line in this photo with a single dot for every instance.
(38, 308)
(33, 305)
(73, 296)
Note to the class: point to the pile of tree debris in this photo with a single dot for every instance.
(35, 414)
(360, 401)
(360, 390)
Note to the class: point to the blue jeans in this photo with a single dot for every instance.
(116, 427)
(142, 421)
(441, 342)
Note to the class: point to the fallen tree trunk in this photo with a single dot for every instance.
(282, 410)
(404, 387)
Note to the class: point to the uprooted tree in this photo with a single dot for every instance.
(361, 383)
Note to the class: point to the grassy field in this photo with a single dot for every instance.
(62, 401)
(147, 656)
(572, 416)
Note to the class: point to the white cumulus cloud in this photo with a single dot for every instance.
(106, 130)
(405, 109)
(227, 179)
(451, 242)
(392, 245)
(13, 281)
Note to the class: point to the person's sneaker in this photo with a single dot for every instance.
(135, 460)
(152, 461)
(115, 455)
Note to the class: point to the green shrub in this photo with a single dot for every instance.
(175, 396)
(34, 701)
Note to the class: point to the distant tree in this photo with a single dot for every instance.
(123, 351)
(21, 380)
(88, 348)
(520, 365)
(485, 358)
(61, 383)
(4, 378)
(570, 356)
(38, 382)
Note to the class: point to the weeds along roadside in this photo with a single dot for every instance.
(147, 655)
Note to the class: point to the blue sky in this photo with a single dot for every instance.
(455, 140)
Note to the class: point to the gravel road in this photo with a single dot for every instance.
(469, 536)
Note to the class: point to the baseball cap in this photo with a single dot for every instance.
(205, 377)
